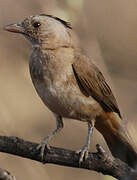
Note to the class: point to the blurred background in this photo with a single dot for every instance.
(108, 33)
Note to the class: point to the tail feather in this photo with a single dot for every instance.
(117, 138)
(122, 149)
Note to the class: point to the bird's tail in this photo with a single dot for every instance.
(117, 138)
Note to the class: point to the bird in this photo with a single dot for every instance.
(72, 86)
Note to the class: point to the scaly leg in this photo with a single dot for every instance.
(45, 142)
(84, 151)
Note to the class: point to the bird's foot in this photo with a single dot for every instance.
(42, 146)
(83, 154)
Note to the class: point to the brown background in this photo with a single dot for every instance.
(108, 34)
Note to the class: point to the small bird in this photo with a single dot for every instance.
(72, 86)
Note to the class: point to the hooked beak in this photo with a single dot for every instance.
(16, 28)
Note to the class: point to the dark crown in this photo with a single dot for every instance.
(65, 23)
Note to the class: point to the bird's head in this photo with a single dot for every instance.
(44, 30)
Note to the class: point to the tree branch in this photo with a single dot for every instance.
(5, 175)
(98, 161)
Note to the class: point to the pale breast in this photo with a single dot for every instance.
(67, 101)
(59, 91)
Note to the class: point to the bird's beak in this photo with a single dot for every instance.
(16, 28)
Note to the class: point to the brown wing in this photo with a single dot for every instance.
(92, 83)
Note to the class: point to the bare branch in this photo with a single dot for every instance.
(5, 175)
(98, 161)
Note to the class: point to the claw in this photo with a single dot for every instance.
(83, 154)
(45, 142)
(84, 151)
(42, 146)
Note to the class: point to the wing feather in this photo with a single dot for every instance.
(92, 83)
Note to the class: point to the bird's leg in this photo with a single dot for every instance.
(45, 142)
(84, 151)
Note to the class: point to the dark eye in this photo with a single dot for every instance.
(36, 24)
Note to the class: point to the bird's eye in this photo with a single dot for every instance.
(36, 24)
